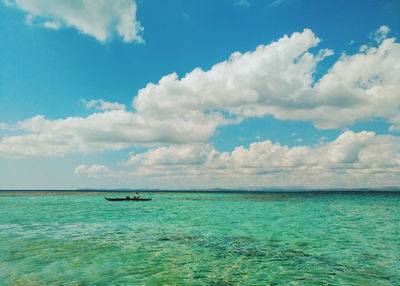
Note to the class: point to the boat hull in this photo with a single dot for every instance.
(125, 199)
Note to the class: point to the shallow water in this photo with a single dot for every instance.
(200, 239)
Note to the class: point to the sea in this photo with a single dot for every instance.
(306, 238)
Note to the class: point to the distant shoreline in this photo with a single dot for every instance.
(391, 190)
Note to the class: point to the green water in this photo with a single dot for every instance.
(200, 239)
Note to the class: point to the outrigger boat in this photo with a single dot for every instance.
(126, 199)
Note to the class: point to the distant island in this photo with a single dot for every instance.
(250, 190)
(260, 190)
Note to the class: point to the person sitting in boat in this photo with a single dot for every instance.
(136, 196)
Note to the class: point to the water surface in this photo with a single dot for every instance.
(199, 239)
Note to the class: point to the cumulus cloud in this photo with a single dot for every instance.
(101, 104)
(275, 79)
(243, 85)
(350, 149)
(362, 158)
(98, 18)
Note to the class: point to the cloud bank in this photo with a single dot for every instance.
(275, 79)
(362, 158)
(109, 130)
(363, 150)
(100, 19)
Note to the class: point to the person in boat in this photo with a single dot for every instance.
(136, 196)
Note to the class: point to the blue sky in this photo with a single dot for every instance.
(316, 108)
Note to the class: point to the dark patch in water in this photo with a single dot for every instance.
(268, 253)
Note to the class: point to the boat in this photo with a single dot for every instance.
(126, 199)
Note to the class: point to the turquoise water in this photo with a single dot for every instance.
(200, 239)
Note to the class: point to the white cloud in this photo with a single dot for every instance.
(363, 159)
(109, 130)
(98, 18)
(95, 171)
(363, 48)
(52, 25)
(101, 104)
(245, 84)
(395, 120)
(241, 3)
(278, 2)
(29, 19)
(380, 34)
(4, 126)
(175, 155)
(275, 79)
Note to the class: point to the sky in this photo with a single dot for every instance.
(187, 94)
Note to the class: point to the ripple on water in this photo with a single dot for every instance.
(201, 239)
